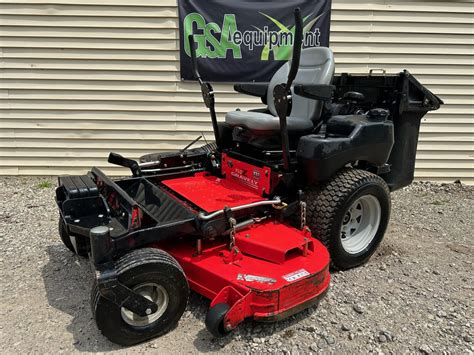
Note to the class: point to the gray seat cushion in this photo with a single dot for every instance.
(259, 121)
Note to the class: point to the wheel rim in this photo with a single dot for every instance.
(155, 293)
(360, 224)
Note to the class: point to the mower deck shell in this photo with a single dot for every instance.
(256, 282)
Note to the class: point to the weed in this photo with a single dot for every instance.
(45, 185)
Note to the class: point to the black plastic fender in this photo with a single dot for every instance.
(349, 138)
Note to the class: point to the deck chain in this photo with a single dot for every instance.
(302, 214)
(232, 223)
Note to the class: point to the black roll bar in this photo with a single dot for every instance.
(207, 92)
(192, 47)
(282, 92)
(297, 42)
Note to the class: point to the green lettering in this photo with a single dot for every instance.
(229, 26)
(216, 50)
(208, 46)
(189, 20)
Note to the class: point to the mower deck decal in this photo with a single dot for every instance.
(256, 278)
(296, 275)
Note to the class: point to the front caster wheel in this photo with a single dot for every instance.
(349, 214)
(215, 320)
(69, 241)
(64, 235)
(155, 275)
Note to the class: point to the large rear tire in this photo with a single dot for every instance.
(349, 214)
(157, 276)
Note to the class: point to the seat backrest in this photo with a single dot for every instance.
(316, 67)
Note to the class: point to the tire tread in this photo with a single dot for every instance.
(129, 261)
(324, 201)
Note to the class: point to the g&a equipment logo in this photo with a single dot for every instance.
(214, 41)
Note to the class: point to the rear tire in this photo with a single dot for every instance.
(349, 214)
(156, 275)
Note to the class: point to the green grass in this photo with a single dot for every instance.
(45, 185)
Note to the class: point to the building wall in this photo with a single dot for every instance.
(82, 78)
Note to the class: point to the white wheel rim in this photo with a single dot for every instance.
(155, 293)
(360, 224)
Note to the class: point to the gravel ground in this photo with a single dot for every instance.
(415, 295)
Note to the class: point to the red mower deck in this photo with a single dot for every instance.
(273, 272)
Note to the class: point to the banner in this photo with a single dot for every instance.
(244, 41)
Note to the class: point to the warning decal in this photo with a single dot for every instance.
(296, 275)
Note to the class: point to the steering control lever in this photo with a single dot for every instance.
(117, 159)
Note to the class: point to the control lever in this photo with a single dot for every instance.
(117, 159)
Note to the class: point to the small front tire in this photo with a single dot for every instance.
(215, 320)
(155, 275)
(64, 235)
(68, 241)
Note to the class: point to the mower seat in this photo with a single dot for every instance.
(266, 122)
(316, 67)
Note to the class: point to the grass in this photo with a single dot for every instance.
(45, 185)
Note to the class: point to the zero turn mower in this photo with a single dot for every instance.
(253, 221)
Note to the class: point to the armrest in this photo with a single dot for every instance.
(253, 89)
(315, 91)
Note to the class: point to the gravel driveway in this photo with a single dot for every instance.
(415, 295)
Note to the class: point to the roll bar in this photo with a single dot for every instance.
(207, 92)
(192, 46)
(297, 42)
(282, 92)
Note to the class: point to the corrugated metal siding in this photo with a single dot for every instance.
(79, 79)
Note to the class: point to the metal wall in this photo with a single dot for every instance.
(82, 78)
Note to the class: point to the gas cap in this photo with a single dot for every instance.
(378, 114)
